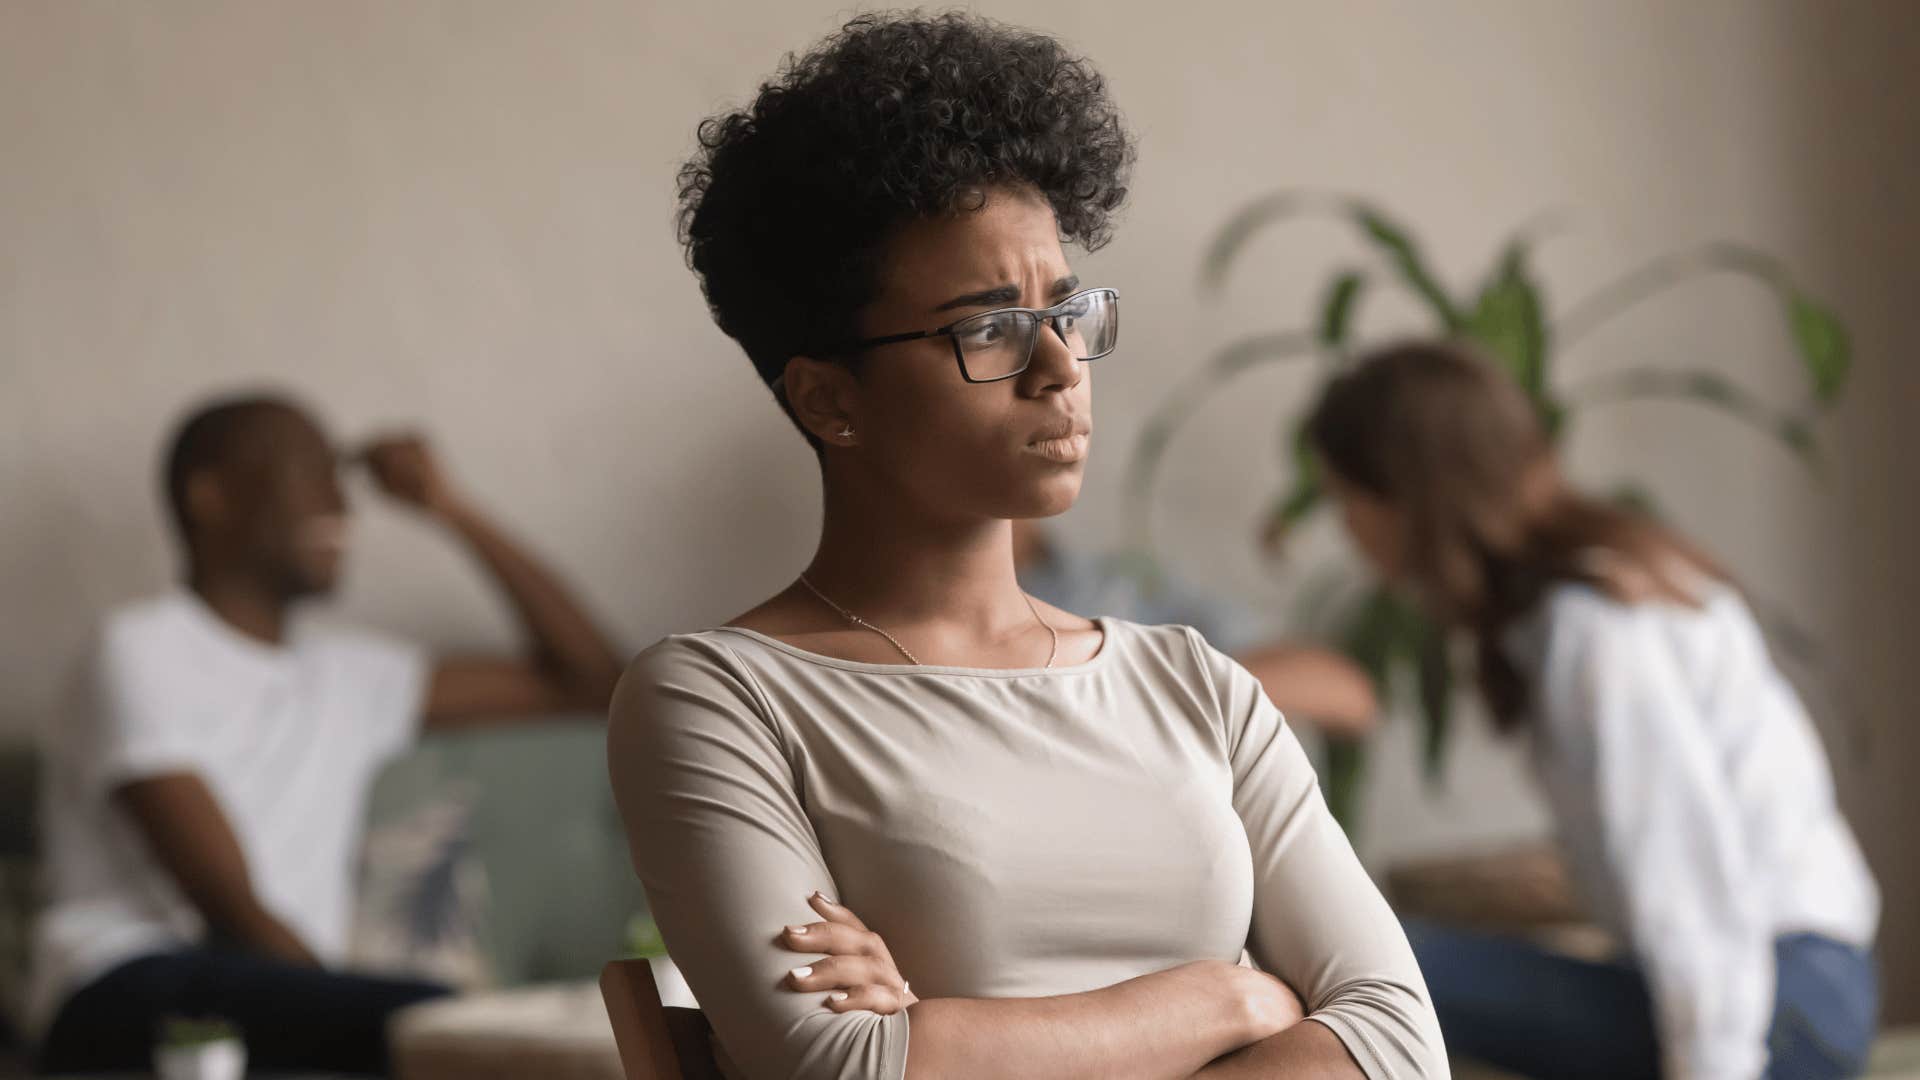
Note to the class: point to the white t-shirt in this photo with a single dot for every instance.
(288, 738)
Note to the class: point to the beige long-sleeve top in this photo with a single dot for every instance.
(1009, 833)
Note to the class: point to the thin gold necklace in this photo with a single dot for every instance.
(1052, 653)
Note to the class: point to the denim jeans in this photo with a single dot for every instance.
(1513, 1005)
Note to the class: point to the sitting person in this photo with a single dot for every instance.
(1068, 831)
(1304, 682)
(1690, 795)
(203, 807)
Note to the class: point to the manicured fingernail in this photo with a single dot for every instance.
(797, 931)
(824, 898)
(801, 972)
(839, 995)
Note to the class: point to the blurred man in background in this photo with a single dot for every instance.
(1305, 682)
(205, 801)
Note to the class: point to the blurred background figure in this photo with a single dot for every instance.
(1690, 793)
(204, 800)
(1306, 683)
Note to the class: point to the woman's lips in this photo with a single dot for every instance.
(1065, 449)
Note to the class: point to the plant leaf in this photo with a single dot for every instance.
(1240, 229)
(1300, 499)
(1824, 348)
(1434, 667)
(1336, 312)
(1302, 496)
(1507, 321)
(1385, 235)
(1709, 388)
(1386, 632)
(1403, 635)
(1818, 335)
(1340, 780)
(1370, 638)
(1406, 258)
(1553, 414)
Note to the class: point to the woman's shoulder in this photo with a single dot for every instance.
(1167, 639)
(705, 651)
(686, 709)
(1118, 635)
(1580, 636)
(1573, 611)
(681, 675)
(1173, 653)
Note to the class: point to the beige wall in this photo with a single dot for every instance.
(457, 215)
(1856, 160)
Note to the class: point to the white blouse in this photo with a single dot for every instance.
(1695, 806)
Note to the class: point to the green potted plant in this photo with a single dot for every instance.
(199, 1048)
(1506, 314)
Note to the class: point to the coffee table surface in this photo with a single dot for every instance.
(556, 1032)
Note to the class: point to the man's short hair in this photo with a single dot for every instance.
(208, 438)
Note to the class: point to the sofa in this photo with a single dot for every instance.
(523, 811)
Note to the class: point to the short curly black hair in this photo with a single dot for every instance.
(898, 116)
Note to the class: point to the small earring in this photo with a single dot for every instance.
(847, 432)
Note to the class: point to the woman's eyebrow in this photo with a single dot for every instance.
(1002, 295)
(998, 295)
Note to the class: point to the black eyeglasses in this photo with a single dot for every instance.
(998, 344)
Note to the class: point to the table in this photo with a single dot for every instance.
(556, 1032)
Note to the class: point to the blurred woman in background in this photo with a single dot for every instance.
(1690, 794)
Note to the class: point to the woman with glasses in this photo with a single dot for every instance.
(1066, 831)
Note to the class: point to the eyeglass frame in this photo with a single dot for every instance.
(1043, 316)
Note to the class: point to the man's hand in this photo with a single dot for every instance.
(856, 971)
(405, 468)
(569, 664)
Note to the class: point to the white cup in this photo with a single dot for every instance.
(222, 1059)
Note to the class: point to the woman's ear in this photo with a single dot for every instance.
(825, 398)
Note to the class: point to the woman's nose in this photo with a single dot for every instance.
(1052, 366)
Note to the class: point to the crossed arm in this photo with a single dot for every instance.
(1208, 1019)
(724, 846)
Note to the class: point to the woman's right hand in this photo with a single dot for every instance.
(855, 970)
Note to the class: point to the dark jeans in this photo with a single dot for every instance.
(1510, 1004)
(292, 1018)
